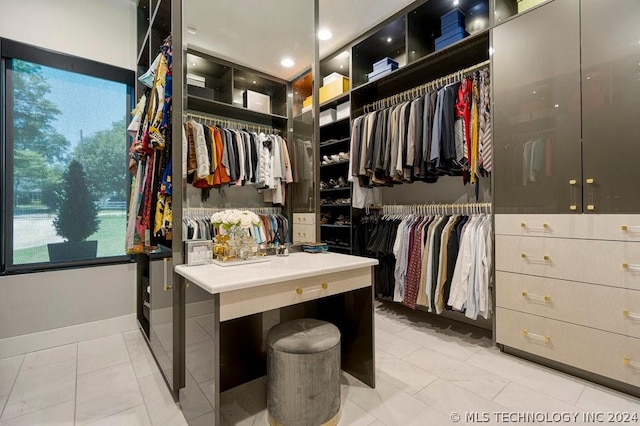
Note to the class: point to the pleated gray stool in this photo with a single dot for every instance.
(303, 373)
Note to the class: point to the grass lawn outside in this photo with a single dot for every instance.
(110, 238)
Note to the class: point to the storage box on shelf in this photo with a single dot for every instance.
(337, 87)
(256, 101)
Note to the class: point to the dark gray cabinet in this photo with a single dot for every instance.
(536, 80)
(566, 102)
(611, 105)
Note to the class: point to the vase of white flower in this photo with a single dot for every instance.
(236, 224)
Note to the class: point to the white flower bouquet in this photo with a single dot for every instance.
(230, 218)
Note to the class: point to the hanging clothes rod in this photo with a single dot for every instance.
(231, 124)
(432, 209)
(417, 91)
(208, 211)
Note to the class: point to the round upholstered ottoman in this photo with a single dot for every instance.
(303, 373)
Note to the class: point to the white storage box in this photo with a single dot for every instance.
(195, 80)
(343, 110)
(332, 77)
(327, 116)
(257, 101)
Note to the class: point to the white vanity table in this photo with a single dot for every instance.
(236, 306)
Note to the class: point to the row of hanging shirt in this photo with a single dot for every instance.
(273, 228)
(439, 262)
(443, 132)
(216, 157)
(150, 215)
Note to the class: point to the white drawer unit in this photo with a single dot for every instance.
(304, 233)
(304, 218)
(610, 263)
(613, 227)
(596, 306)
(607, 354)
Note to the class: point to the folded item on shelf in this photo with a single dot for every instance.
(315, 247)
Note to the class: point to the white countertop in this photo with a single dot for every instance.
(218, 279)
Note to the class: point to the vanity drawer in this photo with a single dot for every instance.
(607, 354)
(304, 218)
(614, 227)
(611, 263)
(239, 303)
(304, 233)
(605, 308)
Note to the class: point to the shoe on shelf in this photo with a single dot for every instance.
(340, 220)
(335, 158)
(323, 185)
(343, 156)
(341, 183)
(333, 183)
(326, 160)
(326, 218)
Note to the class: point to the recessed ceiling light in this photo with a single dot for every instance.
(254, 82)
(324, 34)
(287, 62)
(342, 55)
(389, 39)
(456, 2)
(341, 66)
(534, 92)
(193, 64)
(557, 105)
(191, 29)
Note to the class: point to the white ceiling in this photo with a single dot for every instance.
(259, 33)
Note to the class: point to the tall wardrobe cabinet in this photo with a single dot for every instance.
(567, 136)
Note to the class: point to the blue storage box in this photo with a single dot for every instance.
(448, 39)
(450, 29)
(379, 74)
(382, 64)
(454, 16)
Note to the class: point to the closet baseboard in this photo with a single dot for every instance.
(18, 345)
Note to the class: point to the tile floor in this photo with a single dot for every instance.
(425, 372)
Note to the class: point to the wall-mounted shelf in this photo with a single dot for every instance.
(197, 103)
(335, 226)
(335, 164)
(335, 101)
(346, 188)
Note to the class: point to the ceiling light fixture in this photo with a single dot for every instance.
(456, 2)
(389, 39)
(287, 62)
(341, 66)
(254, 82)
(324, 34)
(193, 64)
(191, 29)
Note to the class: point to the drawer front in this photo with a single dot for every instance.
(304, 233)
(608, 354)
(304, 218)
(589, 261)
(239, 303)
(596, 306)
(614, 227)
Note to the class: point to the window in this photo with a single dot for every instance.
(65, 181)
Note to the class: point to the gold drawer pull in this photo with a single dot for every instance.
(573, 182)
(632, 315)
(573, 207)
(627, 228)
(545, 227)
(630, 267)
(591, 207)
(322, 286)
(626, 361)
(544, 258)
(545, 339)
(165, 266)
(590, 181)
(536, 297)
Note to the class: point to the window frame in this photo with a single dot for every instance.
(10, 49)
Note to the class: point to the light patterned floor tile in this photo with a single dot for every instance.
(602, 399)
(528, 374)
(481, 382)
(51, 356)
(106, 391)
(449, 398)
(353, 415)
(393, 344)
(136, 416)
(41, 387)
(162, 409)
(452, 346)
(141, 357)
(101, 353)
(402, 374)
(58, 415)
(9, 368)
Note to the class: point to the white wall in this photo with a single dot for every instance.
(102, 30)
(105, 31)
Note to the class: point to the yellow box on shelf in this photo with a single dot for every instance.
(528, 4)
(307, 102)
(336, 88)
